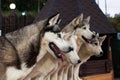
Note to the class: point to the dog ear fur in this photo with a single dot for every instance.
(77, 20)
(53, 24)
(54, 20)
(101, 39)
(87, 20)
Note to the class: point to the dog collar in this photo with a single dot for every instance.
(61, 56)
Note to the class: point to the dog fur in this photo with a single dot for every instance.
(83, 50)
(80, 27)
(19, 50)
(88, 50)
(71, 38)
(49, 62)
(73, 27)
(69, 71)
(15, 47)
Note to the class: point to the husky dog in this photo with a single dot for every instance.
(54, 48)
(88, 50)
(81, 28)
(69, 37)
(19, 50)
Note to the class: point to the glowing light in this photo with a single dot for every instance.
(12, 6)
(23, 13)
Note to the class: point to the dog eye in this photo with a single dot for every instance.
(84, 27)
(96, 44)
(59, 35)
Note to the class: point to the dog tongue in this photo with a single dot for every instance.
(89, 40)
(59, 52)
(61, 55)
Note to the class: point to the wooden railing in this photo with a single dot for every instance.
(14, 21)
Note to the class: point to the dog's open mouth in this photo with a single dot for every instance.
(86, 40)
(58, 53)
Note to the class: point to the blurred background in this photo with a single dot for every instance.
(15, 14)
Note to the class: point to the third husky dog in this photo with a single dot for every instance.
(88, 50)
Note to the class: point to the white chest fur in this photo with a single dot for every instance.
(14, 74)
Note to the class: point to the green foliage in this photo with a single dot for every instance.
(118, 26)
(116, 22)
(23, 5)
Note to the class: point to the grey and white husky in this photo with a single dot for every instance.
(53, 48)
(22, 49)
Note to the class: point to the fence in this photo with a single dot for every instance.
(13, 22)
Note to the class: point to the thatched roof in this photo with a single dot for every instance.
(69, 9)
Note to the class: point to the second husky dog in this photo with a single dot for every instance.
(81, 28)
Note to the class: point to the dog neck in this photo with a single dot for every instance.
(26, 41)
(79, 43)
(83, 53)
(44, 66)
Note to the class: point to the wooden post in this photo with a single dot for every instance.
(109, 49)
(0, 20)
(110, 56)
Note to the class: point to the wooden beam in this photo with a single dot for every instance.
(107, 76)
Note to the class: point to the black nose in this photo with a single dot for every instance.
(70, 49)
(79, 61)
(101, 53)
(93, 36)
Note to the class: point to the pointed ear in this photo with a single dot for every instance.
(54, 20)
(101, 39)
(87, 20)
(77, 20)
(97, 34)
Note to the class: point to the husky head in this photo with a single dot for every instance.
(94, 47)
(54, 42)
(82, 28)
(71, 56)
